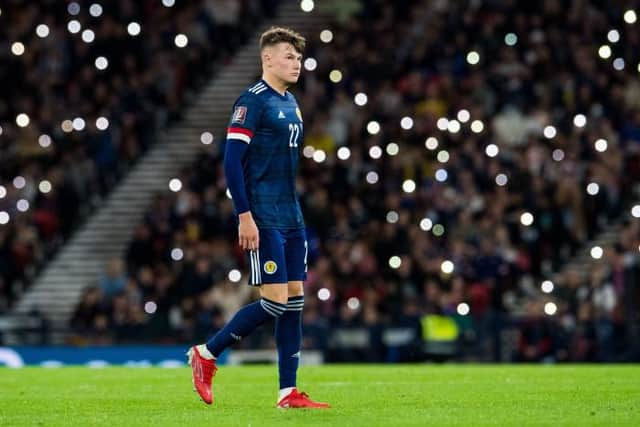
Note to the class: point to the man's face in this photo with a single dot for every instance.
(284, 62)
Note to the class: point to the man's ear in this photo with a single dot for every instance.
(266, 58)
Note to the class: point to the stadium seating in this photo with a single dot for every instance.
(94, 85)
(456, 161)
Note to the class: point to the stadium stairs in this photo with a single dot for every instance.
(105, 235)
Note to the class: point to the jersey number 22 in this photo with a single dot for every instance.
(294, 130)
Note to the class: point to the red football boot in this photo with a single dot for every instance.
(202, 370)
(300, 400)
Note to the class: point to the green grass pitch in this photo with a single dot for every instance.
(361, 395)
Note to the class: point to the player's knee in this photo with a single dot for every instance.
(275, 292)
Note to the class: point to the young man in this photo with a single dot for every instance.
(261, 158)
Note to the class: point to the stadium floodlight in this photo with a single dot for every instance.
(95, 10)
(600, 145)
(375, 152)
(463, 309)
(395, 262)
(326, 36)
(74, 26)
(491, 150)
(78, 123)
(438, 230)
(547, 286)
(373, 127)
(431, 143)
(307, 5)
(510, 39)
(473, 57)
(635, 211)
(19, 182)
(335, 76)
(353, 303)
(181, 40)
(593, 188)
(409, 186)
(477, 126)
(426, 224)
(613, 36)
(604, 51)
(150, 307)
(441, 175)
(88, 36)
(442, 123)
(406, 123)
(102, 123)
(630, 16)
(501, 179)
(360, 99)
(3, 192)
(17, 48)
(177, 254)
(67, 126)
(44, 186)
(22, 205)
(579, 120)
(308, 151)
(42, 31)
(133, 29)
(310, 64)
(464, 116)
(22, 120)
(557, 155)
(596, 252)
(344, 153)
(549, 132)
(228, 194)
(618, 64)
(393, 149)
(447, 267)
(453, 126)
(443, 156)
(175, 185)
(526, 219)
(319, 156)
(73, 8)
(168, 3)
(392, 217)
(324, 294)
(101, 63)
(550, 308)
(372, 177)
(206, 138)
(4, 218)
(44, 140)
(234, 276)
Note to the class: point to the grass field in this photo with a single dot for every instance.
(362, 395)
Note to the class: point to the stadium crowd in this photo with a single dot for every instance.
(85, 85)
(457, 155)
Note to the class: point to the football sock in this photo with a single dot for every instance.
(243, 323)
(289, 341)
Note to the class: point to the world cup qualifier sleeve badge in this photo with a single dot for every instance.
(239, 115)
(270, 267)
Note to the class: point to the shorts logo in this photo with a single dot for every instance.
(239, 115)
(270, 267)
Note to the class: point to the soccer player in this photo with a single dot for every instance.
(261, 158)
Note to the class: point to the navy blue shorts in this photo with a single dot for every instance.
(281, 257)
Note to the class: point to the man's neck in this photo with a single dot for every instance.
(275, 83)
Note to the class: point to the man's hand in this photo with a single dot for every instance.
(248, 232)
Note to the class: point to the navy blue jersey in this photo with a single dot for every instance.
(271, 125)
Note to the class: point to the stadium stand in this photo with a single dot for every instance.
(459, 161)
(91, 118)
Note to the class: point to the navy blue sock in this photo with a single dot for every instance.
(289, 341)
(243, 323)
